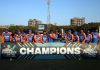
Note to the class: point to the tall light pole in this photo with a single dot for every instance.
(48, 15)
(48, 12)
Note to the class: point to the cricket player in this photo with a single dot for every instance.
(69, 36)
(6, 36)
(23, 38)
(88, 37)
(82, 36)
(30, 36)
(18, 36)
(76, 37)
(13, 38)
(37, 37)
(95, 36)
(57, 36)
(44, 37)
(51, 36)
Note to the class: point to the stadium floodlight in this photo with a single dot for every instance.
(48, 12)
(48, 15)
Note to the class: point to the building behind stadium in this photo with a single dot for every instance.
(34, 22)
(77, 21)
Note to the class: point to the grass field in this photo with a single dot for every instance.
(49, 65)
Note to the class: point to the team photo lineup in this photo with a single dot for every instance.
(51, 36)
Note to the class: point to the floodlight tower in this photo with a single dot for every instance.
(48, 12)
(48, 15)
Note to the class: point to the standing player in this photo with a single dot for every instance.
(30, 36)
(18, 36)
(44, 37)
(82, 36)
(57, 36)
(6, 36)
(23, 38)
(63, 37)
(37, 37)
(13, 38)
(51, 36)
(69, 36)
(76, 37)
(95, 37)
(88, 37)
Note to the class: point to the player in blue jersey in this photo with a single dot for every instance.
(69, 36)
(13, 38)
(95, 37)
(76, 37)
(63, 37)
(37, 37)
(82, 36)
(44, 37)
(6, 36)
(57, 36)
(23, 38)
(18, 36)
(30, 36)
(51, 36)
(88, 37)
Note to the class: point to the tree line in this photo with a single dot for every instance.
(89, 26)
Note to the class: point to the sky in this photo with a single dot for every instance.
(18, 12)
